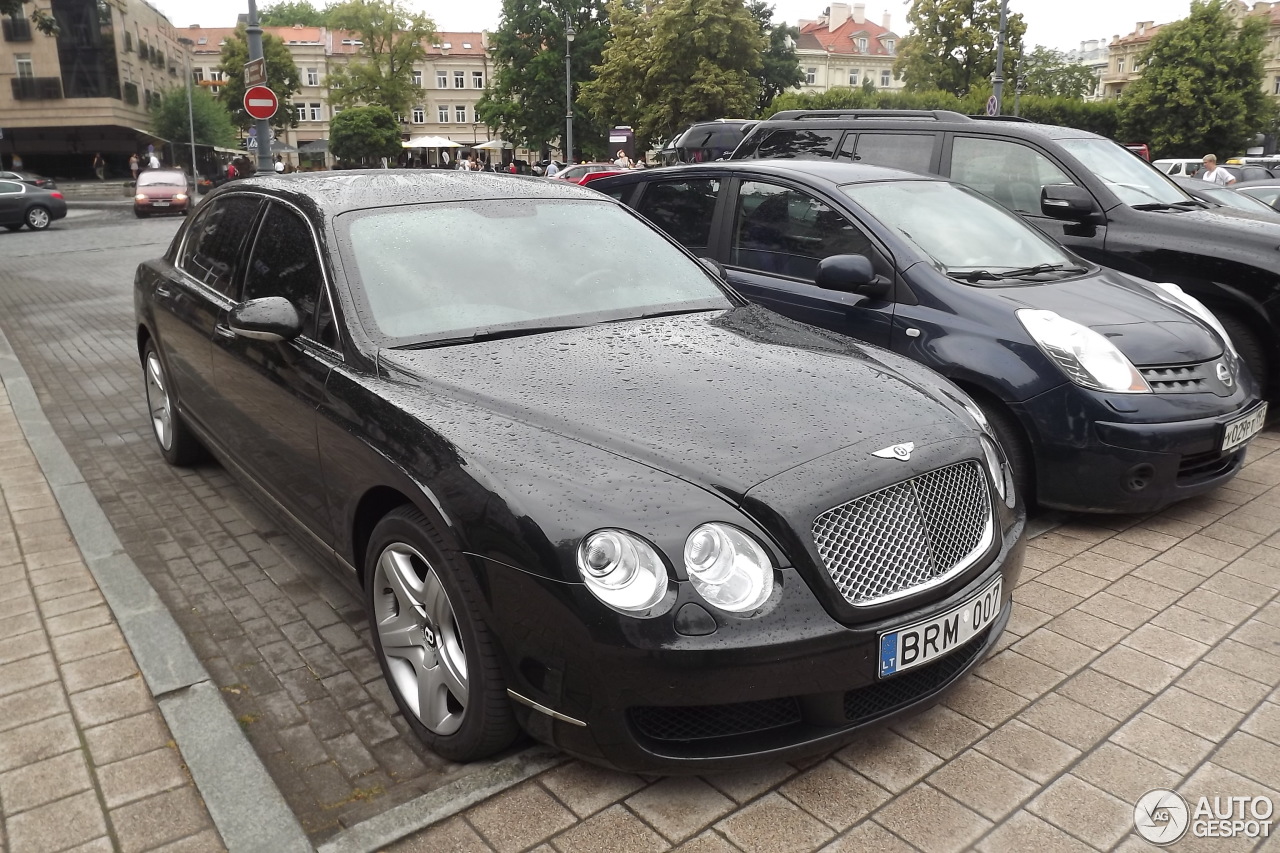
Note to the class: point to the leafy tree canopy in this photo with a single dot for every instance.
(392, 36)
(953, 44)
(1199, 91)
(212, 122)
(282, 78)
(526, 98)
(289, 12)
(363, 135)
(44, 22)
(1049, 73)
(781, 66)
(681, 61)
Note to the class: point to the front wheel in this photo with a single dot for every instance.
(1016, 449)
(38, 218)
(1250, 348)
(177, 443)
(436, 651)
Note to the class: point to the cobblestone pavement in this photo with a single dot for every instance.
(1143, 652)
(86, 760)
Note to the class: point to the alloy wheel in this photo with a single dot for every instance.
(158, 401)
(38, 218)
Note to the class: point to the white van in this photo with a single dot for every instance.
(1186, 168)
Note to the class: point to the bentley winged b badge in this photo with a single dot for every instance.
(901, 452)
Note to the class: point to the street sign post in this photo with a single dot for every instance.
(260, 102)
(255, 73)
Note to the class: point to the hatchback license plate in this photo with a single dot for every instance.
(160, 203)
(927, 641)
(1242, 429)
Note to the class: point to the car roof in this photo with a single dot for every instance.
(922, 120)
(824, 170)
(331, 193)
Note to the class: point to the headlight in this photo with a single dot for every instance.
(180, 197)
(1088, 359)
(622, 570)
(139, 197)
(728, 568)
(1195, 306)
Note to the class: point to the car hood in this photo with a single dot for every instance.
(1144, 325)
(725, 398)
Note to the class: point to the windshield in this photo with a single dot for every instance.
(162, 179)
(1232, 198)
(1134, 181)
(961, 230)
(458, 270)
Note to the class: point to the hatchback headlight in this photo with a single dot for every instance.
(139, 197)
(728, 568)
(622, 570)
(1088, 359)
(179, 196)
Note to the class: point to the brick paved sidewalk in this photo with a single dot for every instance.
(87, 762)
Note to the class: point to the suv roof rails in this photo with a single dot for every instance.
(924, 115)
(1002, 118)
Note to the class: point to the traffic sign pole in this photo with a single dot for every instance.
(254, 32)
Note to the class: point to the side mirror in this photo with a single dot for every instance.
(1067, 201)
(850, 274)
(271, 318)
(716, 268)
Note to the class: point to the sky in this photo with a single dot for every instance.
(1060, 24)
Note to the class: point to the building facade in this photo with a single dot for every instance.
(843, 48)
(1095, 55)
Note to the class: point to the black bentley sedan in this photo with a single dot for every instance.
(586, 489)
(1110, 394)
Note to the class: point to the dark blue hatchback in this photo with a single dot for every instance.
(1110, 393)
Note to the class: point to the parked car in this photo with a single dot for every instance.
(588, 178)
(1083, 190)
(1266, 191)
(586, 488)
(162, 191)
(30, 178)
(574, 174)
(1220, 196)
(1077, 368)
(1182, 168)
(24, 204)
(1140, 148)
(1248, 173)
(704, 141)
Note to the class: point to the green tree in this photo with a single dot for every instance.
(282, 78)
(953, 44)
(525, 99)
(44, 21)
(212, 122)
(679, 62)
(1200, 86)
(287, 13)
(392, 37)
(781, 67)
(1049, 73)
(362, 135)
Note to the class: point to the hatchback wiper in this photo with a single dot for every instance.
(1018, 272)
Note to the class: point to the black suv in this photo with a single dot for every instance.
(1084, 190)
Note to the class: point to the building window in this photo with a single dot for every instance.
(460, 114)
(302, 112)
(1277, 89)
(128, 42)
(853, 76)
(884, 79)
(459, 79)
(477, 79)
(1119, 64)
(862, 45)
(313, 77)
(333, 111)
(417, 79)
(197, 76)
(419, 115)
(442, 80)
(317, 112)
(25, 68)
(442, 113)
(888, 45)
(811, 76)
(215, 76)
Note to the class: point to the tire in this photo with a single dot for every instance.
(177, 443)
(437, 654)
(38, 217)
(1016, 448)
(1250, 348)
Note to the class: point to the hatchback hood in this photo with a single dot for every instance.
(1145, 326)
(729, 398)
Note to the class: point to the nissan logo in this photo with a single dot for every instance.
(1224, 374)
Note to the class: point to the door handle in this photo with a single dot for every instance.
(164, 291)
(224, 331)
(913, 333)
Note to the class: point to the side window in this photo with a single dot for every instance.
(682, 209)
(1007, 172)
(285, 263)
(9, 188)
(215, 244)
(799, 145)
(783, 231)
(910, 151)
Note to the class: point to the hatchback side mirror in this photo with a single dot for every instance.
(715, 268)
(850, 274)
(1067, 201)
(271, 318)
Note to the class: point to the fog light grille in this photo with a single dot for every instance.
(703, 722)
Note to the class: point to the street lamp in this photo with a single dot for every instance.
(191, 122)
(569, 33)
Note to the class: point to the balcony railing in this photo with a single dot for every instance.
(37, 88)
(16, 29)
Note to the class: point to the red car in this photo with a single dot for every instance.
(161, 191)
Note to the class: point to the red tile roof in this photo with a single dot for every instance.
(843, 39)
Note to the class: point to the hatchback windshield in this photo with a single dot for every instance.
(444, 272)
(162, 179)
(961, 230)
(1134, 181)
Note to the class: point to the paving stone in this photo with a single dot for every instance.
(1166, 645)
(1192, 624)
(932, 821)
(867, 836)
(746, 785)
(28, 706)
(1084, 811)
(88, 643)
(679, 806)
(111, 702)
(1175, 748)
(1019, 674)
(522, 817)
(984, 785)
(159, 819)
(1030, 752)
(127, 737)
(613, 828)
(1137, 669)
(37, 741)
(1068, 721)
(141, 776)
(1252, 757)
(1026, 832)
(889, 760)
(57, 826)
(43, 782)
(940, 730)
(773, 824)
(98, 670)
(586, 788)
(1195, 713)
(1089, 630)
(834, 794)
(1223, 686)
(450, 836)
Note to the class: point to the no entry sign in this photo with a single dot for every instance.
(260, 102)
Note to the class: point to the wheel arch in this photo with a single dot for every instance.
(373, 506)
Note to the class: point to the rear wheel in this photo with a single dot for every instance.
(1249, 346)
(178, 444)
(38, 218)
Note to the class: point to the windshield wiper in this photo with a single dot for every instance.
(1158, 205)
(1018, 272)
(489, 334)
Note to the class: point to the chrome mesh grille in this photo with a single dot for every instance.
(906, 535)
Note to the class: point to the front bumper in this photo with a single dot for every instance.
(639, 695)
(161, 205)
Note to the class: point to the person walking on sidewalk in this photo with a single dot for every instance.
(99, 166)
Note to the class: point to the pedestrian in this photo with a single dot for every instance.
(99, 166)
(512, 168)
(623, 161)
(154, 162)
(232, 174)
(1213, 174)
(552, 169)
(279, 165)
(133, 165)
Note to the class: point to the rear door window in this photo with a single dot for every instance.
(683, 209)
(799, 145)
(1008, 172)
(783, 231)
(215, 249)
(910, 151)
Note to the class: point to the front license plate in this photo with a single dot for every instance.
(1242, 429)
(926, 641)
(160, 203)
